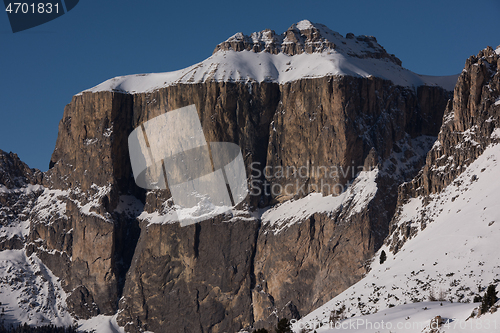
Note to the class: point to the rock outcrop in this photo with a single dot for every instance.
(19, 190)
(306, 37)
(14, 173)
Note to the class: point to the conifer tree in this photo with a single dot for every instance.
(489, 299)
(284, 326)
(383, 257)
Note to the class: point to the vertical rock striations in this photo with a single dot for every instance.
(77, 227)
(349, 123)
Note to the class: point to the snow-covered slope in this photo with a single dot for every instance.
(29, 292)
(412, 318)
(100, 324)
(352, 56)
(14, 224)
(453, 254)
(243, 66)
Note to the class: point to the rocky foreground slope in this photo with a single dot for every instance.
(308, 97)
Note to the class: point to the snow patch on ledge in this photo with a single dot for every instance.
(496, 133)
(27, 189)
(245, 66)
(174, 214)
(101, 324)
(355, 199)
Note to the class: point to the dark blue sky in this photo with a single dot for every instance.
(43, 67)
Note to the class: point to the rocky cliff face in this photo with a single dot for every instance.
(470, 123)
(75, 227)
(274, 126)
(114, 249)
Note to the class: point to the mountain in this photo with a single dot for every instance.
(443, 237)
(340, 111)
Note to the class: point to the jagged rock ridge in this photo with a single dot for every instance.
(306, 37)
(469, 126)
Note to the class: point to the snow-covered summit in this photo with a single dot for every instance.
(307, 37)
(304, 51)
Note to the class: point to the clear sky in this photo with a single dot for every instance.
(43, 67)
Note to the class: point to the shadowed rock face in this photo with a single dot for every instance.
(89, 166)
(91, 169)
(228, 272)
